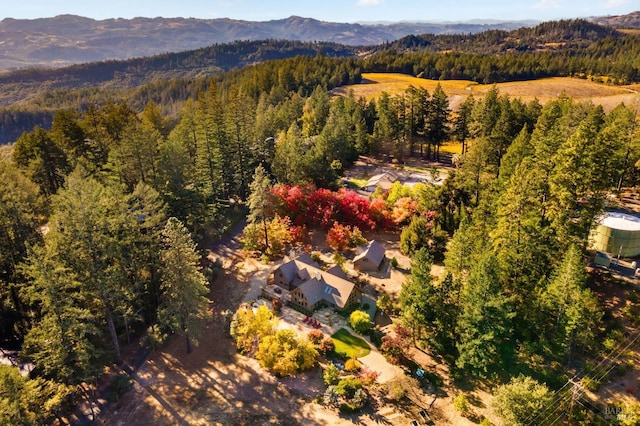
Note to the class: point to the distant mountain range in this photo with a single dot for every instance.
(69, 39)
(630, 21)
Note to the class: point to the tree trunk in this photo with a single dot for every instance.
(89, 400)
(22, 322)
(188, 343)
(624, 169)
(114, 336)
(266, 234)
(126, 329)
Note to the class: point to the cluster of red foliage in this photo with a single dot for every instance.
(306, 205)
(298, 234)
(395, 345)
(292, 201)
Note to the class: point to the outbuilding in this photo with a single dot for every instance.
(602, 259)
(370, 258)
(383, 181)
(617, 234)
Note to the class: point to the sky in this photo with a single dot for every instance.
(326, 10)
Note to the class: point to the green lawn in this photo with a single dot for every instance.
(347, 343)
(357, 183)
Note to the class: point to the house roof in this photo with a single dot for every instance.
(296, 270)
(288, 270)
(335, 290)
(303, 274)
(385, 184)
(337, 271)
(312, 290)
(306, 258)
(373, 251)
(383, 180)
(331, 285)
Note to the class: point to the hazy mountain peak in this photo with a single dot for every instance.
(68, 39)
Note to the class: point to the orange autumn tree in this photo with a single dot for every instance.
(338, 237)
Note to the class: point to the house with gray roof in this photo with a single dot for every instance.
(311, 287)
(370, 258)
(294, 272)
(382, 180)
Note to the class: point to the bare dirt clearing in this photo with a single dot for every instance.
(620, 373)
(214, 385)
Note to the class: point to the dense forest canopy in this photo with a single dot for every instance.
(209, 60)
(618, 66)
(561, 34)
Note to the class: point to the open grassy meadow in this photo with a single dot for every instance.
(6, 151)
(458, 90)
(375, 83)
(630, 31)
(547, 89)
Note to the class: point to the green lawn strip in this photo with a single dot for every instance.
(357, 183)
(347, 343)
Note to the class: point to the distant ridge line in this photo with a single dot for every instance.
(69, 39)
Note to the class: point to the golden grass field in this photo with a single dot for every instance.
(5, 151)
(375, 83)
(458, 90)
(630, 31)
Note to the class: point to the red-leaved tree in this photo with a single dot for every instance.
(395, 346)
(322, 207)
(355, 209)
(291, 201)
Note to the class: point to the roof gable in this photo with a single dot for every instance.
(386, 178)
(288, 270)
(306, 259)
(337, 271)
(373, 251)
(331, 286)
(297, 268)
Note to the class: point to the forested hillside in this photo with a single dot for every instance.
(564, 48)
(300, 73)
(547, 35)
(553, 49)
(133, 73)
